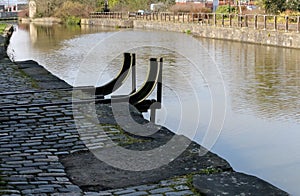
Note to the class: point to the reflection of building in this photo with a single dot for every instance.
(2, 8)
(32, 33)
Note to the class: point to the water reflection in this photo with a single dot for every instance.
(261, 131)
(262, 80)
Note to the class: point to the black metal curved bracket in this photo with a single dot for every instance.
(119, 80)
(142, 93)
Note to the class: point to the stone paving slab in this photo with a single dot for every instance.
(42, 78)
(233, 183)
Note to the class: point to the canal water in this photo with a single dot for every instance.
(239, 100)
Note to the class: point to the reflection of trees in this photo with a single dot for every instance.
(53, 35)
(261, 79)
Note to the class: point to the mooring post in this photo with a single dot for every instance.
(133, 73)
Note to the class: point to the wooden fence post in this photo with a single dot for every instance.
(298, 24)
(255, 21)
(246, 20)
(275, 23)
(265, 22)
(215, 19)
(223, 20)
(208, 17)
(230, 20)
(286, 23)
(192, 17)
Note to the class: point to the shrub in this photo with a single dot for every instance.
(72, 20)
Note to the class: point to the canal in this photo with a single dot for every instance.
(241, 101)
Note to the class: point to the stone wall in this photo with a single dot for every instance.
(108, 22)
(266, 37)
(4, 40)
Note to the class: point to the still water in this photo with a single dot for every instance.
(239, 100)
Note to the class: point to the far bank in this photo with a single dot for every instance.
(281, 38)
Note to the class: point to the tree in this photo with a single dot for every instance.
(277, 6)
(293, 5)
(273, 6)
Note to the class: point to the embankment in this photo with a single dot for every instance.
(243, 34)
(4, 39)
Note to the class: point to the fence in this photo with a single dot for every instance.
(264, 22)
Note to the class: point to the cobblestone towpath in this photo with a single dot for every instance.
(48, 146)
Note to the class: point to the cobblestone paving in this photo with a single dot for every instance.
(33, 137)
(166, 187)
(11, 79)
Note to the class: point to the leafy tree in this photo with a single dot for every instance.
(273, 6)
(293, 5)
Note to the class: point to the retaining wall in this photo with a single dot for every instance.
(4, 40)
(243, 34)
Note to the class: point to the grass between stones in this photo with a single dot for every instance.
(206, 171)
(2, 27)
(33, 82)
(125, 139)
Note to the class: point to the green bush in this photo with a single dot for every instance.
(72, 20)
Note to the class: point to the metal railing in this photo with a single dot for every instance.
(262, 22)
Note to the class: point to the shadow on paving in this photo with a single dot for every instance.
(40, 76)
(92, 174)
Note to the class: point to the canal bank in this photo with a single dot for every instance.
(44, 150)
(240, 34)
